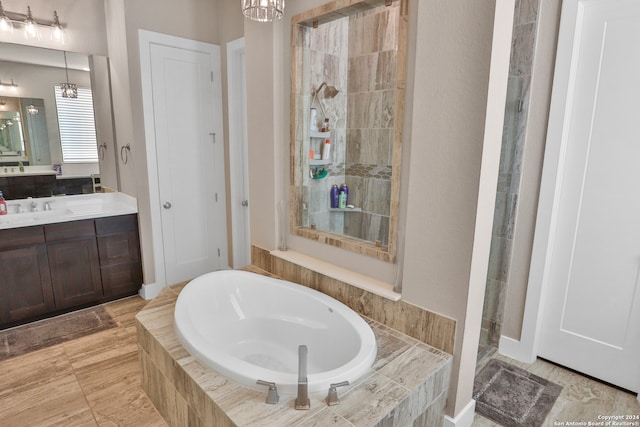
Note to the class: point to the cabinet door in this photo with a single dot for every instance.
(25, 284)
(75, 272)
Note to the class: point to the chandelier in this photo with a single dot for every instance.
(263, 10)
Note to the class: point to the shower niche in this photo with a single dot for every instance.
(348, 79)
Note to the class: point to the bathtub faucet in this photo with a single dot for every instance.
(302, 401)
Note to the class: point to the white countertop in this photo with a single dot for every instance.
(28, 170)
(66, 208)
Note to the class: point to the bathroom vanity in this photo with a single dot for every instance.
(61, 253)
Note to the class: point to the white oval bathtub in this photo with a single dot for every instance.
(248, 327)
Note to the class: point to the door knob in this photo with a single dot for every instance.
(245, 203)
(167, 205)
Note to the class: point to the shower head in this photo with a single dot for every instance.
(329, 91)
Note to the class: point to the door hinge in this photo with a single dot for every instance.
(216, 195)
(218, 251)
(212, 77)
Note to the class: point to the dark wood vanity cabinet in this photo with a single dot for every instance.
(74, 263)
(119, 249)
(55, 267)
(25, 281)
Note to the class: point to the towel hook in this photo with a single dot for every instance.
(124, 153)
(102, 148)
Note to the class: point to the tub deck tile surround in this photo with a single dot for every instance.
(431, 328)
(408, 383)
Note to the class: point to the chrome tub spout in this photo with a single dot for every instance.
(302, 401)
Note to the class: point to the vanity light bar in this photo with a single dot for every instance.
(12, 87)
(29, 25)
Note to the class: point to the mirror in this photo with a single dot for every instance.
(35, 71)
(23, 133)
(348, 72)
(11, 134)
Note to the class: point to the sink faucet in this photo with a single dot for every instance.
(302, 401)
(34, 206)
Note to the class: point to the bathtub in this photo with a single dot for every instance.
(248, 327)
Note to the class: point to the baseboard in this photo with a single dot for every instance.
(150, 291)
(515, 350)
(464, 418)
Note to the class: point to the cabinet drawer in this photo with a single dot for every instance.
(16, 237)
(118, 248)
(116, 224)
(69, 230)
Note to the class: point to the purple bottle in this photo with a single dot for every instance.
(334, 196)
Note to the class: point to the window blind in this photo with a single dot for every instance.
(77, 127)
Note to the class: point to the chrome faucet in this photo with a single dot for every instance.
(302, 401)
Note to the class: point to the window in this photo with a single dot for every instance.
(77, 127)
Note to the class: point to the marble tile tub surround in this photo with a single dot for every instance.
(407, 385)
(431, 328)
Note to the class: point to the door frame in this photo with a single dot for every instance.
(145, 40)
(238, 149)
(526, 349)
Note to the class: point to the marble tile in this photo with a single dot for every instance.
(124, 311)
(366, 403)
(51, 401)
(32, 370)
(101, 347)
(323, 418)
(413, 367)
(581, 400)
(522, 49)
(527, 12)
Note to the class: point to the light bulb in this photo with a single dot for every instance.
(57, 32)
(31, 26)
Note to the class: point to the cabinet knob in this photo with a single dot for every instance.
(166, 205)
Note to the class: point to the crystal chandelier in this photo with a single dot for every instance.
(263, 10)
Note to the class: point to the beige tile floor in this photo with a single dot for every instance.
(581, 400)
(90, 381)
(95, 381)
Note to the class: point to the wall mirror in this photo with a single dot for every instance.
(35, 138)
(347, 100)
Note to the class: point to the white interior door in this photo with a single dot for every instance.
(189, 159)
(236, 78)
(591, 319)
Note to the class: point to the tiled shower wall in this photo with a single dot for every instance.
(370, 122)
(328, 59)
(363, 68)
(513, 139)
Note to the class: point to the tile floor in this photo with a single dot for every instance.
(581, 400)
(89, 381)
(95, 381)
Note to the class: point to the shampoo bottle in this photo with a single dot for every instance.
(335, 196)
(3, 205)
(326, 150)
(344, 196)
(344, 189)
